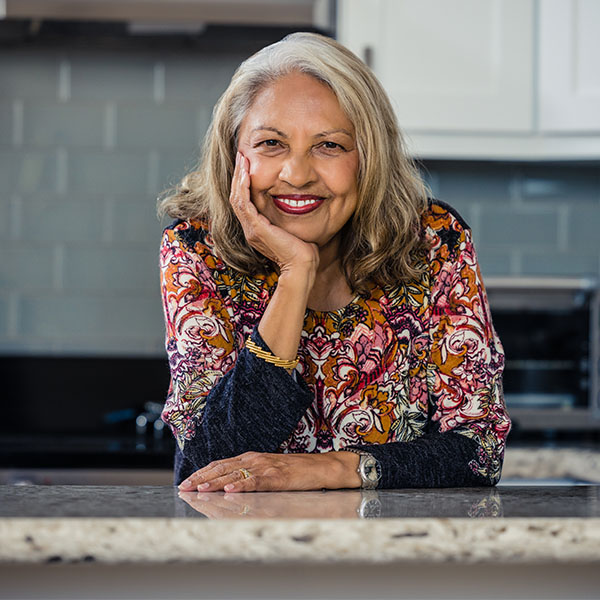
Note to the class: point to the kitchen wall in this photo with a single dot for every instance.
(90, 137)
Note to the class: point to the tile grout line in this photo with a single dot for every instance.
(16, 218)
(159, 87)
(110, 125)
(153, 176)
(562, 223)
(516, 263)
(18, 110)
(64, 80)
(14, 310)
(62, 171)
(59, 267)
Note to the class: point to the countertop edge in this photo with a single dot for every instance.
(406, 540)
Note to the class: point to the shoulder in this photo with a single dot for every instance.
(444, 215)
(445, 229)
(193, 237)
(189, 233)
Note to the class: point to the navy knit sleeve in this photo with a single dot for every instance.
(464, 441)
(255, 406)
(430, 461)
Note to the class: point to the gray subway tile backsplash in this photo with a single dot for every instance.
(560, 183)
(172, 166)
(508, 226)
(135, 220)
(120, 267)
(4, 308)
(96, 77)
(97, 135)
(177, 127)
(29, 74)
(107, 172)
(83, 316)
(584, 228)
(49, 125)
(25, 172)
(493, 261)
(5, 218)
(6, 123)
(200, 78)
(77, 218)
(26, 267)
(568, 264)
(489, 183)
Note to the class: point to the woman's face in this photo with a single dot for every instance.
(303, 158)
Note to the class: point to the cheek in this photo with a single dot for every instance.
(342, 179)
(263, 170)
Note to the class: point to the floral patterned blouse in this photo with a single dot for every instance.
(410, 372)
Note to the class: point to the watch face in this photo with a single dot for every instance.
(370, 509)
(370, 469)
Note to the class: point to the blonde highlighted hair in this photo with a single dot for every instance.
(383, 241)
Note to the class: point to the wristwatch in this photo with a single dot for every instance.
(369, 469)
(370, 505)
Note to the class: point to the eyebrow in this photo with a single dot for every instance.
(318, 135)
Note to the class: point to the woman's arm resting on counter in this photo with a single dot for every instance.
(468, 424)
(222, 401)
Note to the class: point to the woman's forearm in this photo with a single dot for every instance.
(281, 324)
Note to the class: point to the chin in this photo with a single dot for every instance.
(310, 237)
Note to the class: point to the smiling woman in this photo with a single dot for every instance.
(326, 322)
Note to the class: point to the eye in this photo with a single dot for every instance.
(332, 146)
(269, 143)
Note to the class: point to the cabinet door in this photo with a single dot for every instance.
(449, 66)
(569, 74)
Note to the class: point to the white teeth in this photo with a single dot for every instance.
(297, 203)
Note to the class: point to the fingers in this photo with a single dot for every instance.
(240, 191)
(216, 506)
(227, 474)
(234, 481)
(253, 223)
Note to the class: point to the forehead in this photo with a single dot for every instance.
(296, 101)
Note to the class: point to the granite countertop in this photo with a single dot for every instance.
(531, 462)
(116, 524)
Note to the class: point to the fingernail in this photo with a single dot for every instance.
(229, 487)
(184, 484)
(203, 486)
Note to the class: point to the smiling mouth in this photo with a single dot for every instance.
(297, 204)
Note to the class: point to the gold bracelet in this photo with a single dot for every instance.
(271, 358)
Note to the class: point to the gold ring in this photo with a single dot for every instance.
(245, 510)
(245, 473)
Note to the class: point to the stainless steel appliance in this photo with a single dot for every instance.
(549, 328)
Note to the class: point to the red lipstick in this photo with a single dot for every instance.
(297, 204)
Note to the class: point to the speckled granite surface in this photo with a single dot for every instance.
(78, 524)
(551, 463)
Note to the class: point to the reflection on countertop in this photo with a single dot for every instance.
(579, 501)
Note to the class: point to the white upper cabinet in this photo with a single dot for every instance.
(569, 73)
(500, 79)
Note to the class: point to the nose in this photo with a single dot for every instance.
(297, 171)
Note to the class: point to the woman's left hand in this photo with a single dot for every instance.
(259, 471)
